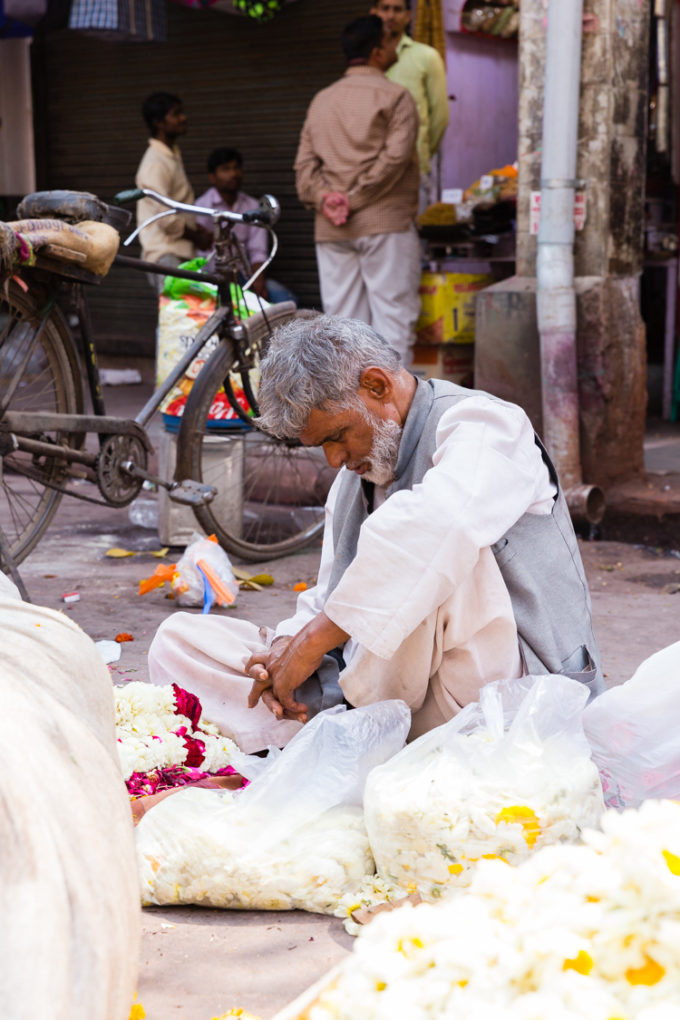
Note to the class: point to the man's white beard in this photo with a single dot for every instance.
(384, 451)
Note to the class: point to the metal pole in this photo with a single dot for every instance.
(555, 296)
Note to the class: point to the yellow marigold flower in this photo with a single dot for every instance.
(582, 963)
(522, 815)
(650, 973)
(672, 861)
(137, 1011)
(455, 869)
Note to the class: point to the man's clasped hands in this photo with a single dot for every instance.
(279, 670)
(335, 207)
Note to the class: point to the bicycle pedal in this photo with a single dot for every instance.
(192, 493)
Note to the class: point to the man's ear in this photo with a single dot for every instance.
(376, 382)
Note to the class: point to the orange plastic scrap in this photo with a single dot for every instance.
(163, 572)
(222, 593)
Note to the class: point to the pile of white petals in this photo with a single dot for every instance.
(146, 721)
(431, 819)
(574, 931)
(204, 847)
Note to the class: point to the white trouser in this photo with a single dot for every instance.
(439, 668)
(375, 279)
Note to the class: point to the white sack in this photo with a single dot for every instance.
(69, 899)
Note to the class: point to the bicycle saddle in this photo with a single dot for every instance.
(73, 207)
(89, 244)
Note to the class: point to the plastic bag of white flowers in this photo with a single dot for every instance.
(507, 775)
(634, 732)
(293, 839)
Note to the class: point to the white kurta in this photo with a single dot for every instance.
(428, 612)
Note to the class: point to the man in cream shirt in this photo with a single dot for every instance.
(173, 239)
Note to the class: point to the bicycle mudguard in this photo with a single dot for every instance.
(73, 207)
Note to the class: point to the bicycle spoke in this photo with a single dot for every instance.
(35, 375)
(276, 490)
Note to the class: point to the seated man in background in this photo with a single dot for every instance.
(449, 559)
(225, 172)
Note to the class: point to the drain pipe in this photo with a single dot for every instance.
(555, 294)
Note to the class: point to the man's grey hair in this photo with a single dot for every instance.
(316, 363)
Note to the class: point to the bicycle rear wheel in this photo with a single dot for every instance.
(271, 493)
(44, 383)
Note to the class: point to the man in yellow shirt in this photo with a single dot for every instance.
(420, 69)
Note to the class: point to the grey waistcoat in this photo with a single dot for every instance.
(538, 557)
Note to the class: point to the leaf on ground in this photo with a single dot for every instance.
(159, 553)
(119, 554)
(252, 582)
(264, 579)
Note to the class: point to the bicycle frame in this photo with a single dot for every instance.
(259, 495)
(100, 423)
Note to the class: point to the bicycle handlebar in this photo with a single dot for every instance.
(265, 215)
(131, 195)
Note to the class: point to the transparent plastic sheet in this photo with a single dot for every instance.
(507, 775)
(634, 733)
(294, 838)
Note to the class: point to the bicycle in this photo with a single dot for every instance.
(279, 486)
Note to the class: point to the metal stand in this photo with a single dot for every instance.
(8, 566)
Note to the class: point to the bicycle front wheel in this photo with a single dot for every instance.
(271, 493)
(41, 381)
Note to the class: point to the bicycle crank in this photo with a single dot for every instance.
(188, 492)
(117, 484)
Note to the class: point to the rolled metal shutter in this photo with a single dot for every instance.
(242, 83)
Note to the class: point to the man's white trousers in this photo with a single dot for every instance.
(375, 279)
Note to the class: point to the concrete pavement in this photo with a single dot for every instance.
(198, 963)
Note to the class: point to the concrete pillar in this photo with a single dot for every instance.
(608, 251)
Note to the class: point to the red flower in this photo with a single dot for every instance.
(187, 704)
(195, 751)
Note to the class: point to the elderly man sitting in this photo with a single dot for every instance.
(449, 558)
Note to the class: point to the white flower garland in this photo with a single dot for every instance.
(146, 721)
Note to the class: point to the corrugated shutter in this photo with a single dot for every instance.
(242, 84)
